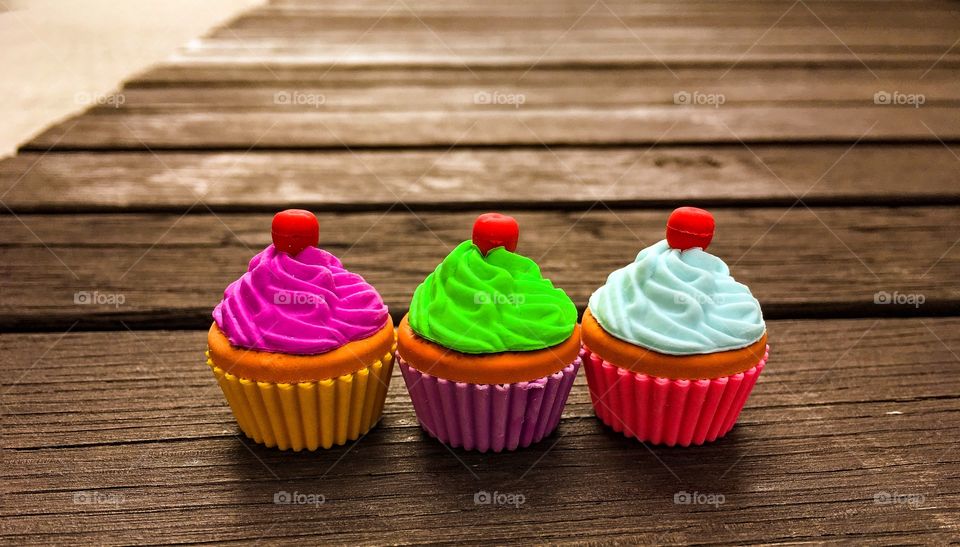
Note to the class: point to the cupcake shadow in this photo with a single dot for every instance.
(710, 467)
(279, 479)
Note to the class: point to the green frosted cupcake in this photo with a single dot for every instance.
(490, 347)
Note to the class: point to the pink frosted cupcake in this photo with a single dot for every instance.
(301, 347)
(673, 345)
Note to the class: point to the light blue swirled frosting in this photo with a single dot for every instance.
(678, 303)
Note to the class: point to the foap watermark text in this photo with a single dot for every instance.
(299, 498)
(498, 298)
(897, 98)
(897, 298)
(507, 499)
(94, 497)
(497, 98)
(698, 98)
(897, 498)
(299, 98)
(297, 298)
(97, 298)
(699, 498)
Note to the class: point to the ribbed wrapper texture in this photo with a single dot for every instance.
(665, 411)
(308, 414)
(486, 417)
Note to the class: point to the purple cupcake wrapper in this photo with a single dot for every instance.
(486, 417)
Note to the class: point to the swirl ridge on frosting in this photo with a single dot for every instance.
(678, 303)
(303, 305)
(488, 304)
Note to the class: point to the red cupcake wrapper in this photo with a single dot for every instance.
(665, 411)
(486, 417)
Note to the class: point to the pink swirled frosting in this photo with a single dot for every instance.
(302, 305)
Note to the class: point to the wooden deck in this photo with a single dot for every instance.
(398, 121)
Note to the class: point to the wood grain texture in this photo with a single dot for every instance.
(367, 90)
(427, 33)
(284, 41)
(179, 72)
(590, 32)
(730, 13)
(413, 39)
(850, 9)
(462, 178)
(500, 126)
(133, 220)
(846, 413)
(171, 269)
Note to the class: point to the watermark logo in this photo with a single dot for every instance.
(897, 98)
(896, 498)
(298, 98)
(698, 498)
(84, 98)
(697, 98)
(93, 497)
(899, 299)
(500, 299)
(296, 298)
(512, 499)
(298, 498)
(700, 299)
(85, 298)
(498, 98)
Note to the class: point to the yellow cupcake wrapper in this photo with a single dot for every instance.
(308, 414)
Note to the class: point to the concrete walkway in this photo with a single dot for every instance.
(59, 56)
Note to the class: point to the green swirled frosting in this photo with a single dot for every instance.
(501, 302)
(678, 303)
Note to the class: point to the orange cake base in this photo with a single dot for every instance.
(496, 368)
(264, 366)
(679, 367)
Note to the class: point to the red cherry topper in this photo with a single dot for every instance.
(492, 230)
(690, 227)
(294, 230)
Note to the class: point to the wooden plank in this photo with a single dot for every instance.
(158, 270)
(181, 70)
(479, 179)
(468, 33)
(686, 8)
(741, 83)
(584, 32)
(830, 11)
(431, 89)
(590, 22)
(500, 126)
(270, 21)
(847, 413)
(625, 52)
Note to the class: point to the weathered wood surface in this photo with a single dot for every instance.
(299, 38)
(848, 414)
(333, 104)
(431, 180)
(501, 126)
(824, 200)
(582, 32)
(171, 269)
(368, 90)
(848, 8)
(184, 73)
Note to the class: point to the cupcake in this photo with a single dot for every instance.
(672, 344)
(301, 347)
(490, 348)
